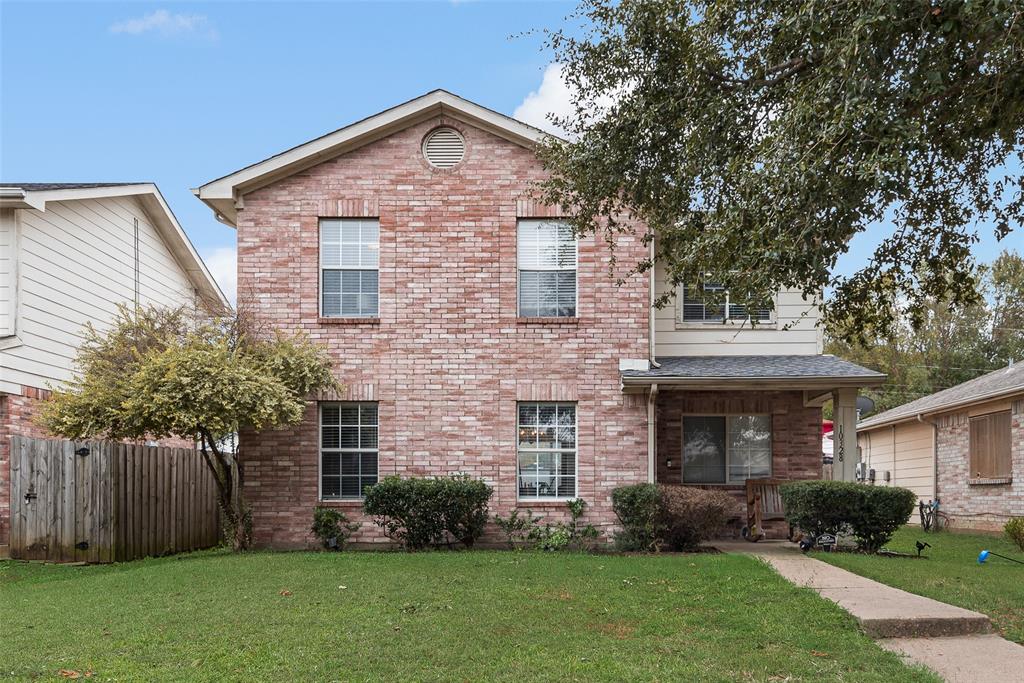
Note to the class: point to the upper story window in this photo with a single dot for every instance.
(696, 310)
(349, 261)
(547, 256)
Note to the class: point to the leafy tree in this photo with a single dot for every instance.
(757, 138)
(161, 373)
(951, 345)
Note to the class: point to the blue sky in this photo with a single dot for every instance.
(181, 93)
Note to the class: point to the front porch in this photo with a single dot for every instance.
(715, 422)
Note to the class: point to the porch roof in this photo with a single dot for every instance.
(768, 372)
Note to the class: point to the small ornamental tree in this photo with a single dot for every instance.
(160, 373)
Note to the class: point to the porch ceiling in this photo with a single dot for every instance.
(753, 372)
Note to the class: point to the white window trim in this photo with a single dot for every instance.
(576, 246)
(574, 451)
(320, 452)
(682, 447)
(320, 269)
(681, 323)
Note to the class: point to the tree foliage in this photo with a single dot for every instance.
(951, 345)
(757, 138)
(159, 373)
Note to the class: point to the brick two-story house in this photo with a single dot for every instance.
(474, 334)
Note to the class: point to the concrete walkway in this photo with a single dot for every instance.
(954, 642)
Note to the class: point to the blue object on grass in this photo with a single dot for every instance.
(982, 556)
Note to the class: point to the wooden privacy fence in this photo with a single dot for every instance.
(97, 501)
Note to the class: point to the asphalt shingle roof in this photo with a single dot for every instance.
(1003, 381)
(42, 187)
(749, 367)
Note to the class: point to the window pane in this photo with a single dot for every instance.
(331, 487)
(331, 464)
(348, 413)
(330, 437)
(750, 449)
(329, 414)
(703, 450)
(527, 486)
(350, 463)
(567, 487)
(349, 437)
(365, 482)
(350, 487)
(368, 463)
(368, 413)
(566, 293)
(367, 437)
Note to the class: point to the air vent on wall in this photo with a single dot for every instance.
(444, 148)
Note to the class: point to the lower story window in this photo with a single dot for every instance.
(726, 449)
(547, 450)
(348, 449)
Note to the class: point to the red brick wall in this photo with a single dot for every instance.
(978, 506)
(448, 359)
(796, 433)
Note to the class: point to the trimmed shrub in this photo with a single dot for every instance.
(1014, 530)
(819, 507)
(464, 507)
(420, 513)
(674, 517)
(689, 516)
(871, 513)
(883, 510)
(636, 508)
(332, 528)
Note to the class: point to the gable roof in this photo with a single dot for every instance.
(998, 384)
(35, 196)
(222, 194)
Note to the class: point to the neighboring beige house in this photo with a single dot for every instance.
(69, 254)
(963, 446)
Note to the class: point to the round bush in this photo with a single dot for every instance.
(871, 513)
(657, 516)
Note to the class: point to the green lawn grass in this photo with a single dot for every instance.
(428, 617)
(951, 574)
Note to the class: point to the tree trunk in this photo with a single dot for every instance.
(228, 475)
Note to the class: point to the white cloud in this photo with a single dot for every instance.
(553, 97)
(222, 263)
(166, 24)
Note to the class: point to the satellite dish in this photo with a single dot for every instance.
(865, 405)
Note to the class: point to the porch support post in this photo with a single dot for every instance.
(845, 456)
(652, 433)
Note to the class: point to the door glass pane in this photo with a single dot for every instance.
(750, 447)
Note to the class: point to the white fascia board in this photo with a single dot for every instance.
(222, 194)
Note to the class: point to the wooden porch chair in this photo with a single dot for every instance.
(764, 503)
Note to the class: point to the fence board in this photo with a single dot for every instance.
(125, 500)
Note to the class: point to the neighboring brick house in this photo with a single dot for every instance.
(69, 254)
(963, 446)
(473, 333)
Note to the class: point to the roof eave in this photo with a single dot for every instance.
(764, 382)
(870, 423)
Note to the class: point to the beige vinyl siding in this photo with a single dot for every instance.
(8, 240)
(672, 337)
(76, 263)
(905, 450)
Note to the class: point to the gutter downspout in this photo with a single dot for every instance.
(935, 454)
(650, 317)
(652, 433)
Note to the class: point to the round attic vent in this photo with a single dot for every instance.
(444, 148)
